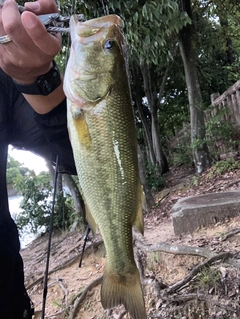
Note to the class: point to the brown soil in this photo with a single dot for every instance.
(212, 293)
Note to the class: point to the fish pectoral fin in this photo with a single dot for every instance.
(82, 130)
(91, 220)
(139, 221)
(123, 289)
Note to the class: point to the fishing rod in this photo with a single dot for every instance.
(45, 288)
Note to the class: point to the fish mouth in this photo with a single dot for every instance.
(93, 30)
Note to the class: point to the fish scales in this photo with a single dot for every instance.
(102, 133)
(103, 169)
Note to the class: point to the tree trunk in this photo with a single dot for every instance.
(146, 130)
(201, 155)
(152, 97)
(76, 196)
(138, 94)
(161, 160)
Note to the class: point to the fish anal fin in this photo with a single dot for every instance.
(91, 220)
(123, 289)
(139, 221)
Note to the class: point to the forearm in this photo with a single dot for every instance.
(31, 50)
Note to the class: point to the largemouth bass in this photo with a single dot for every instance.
(102, 133)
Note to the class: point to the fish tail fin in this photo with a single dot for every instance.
(123, 289)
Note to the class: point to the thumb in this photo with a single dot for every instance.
(48, 43)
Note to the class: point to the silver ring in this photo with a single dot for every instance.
(5, 39)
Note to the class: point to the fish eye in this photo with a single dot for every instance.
(108, 44)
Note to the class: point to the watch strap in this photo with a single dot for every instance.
(44, 85)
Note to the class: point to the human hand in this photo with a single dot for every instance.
(32, 49)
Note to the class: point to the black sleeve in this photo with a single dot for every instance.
(53, 126)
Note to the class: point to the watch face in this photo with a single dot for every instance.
(44, 85)
(49, 82)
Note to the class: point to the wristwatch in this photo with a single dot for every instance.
(44, 85)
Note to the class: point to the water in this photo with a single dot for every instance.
(14, 206)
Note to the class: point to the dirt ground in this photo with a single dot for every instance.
(188, 277)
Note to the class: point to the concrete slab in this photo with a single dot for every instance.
(194, 212)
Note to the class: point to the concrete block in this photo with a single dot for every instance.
(191, 213)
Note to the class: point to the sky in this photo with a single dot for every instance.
(28, 159)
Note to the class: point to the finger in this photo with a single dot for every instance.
(1, 24)
(10, 16)
(46, 42)
(12, 25)
(42, 6)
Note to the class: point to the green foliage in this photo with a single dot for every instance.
(153, 261)
(180, 152)
(224, 166)
(12, 174)
(195, 181)
(155, 182)
(15, 170)
(198, 144)
(209, 278)
(219, 59)
(37, 205)
(149, 26)
(181, 155)
(151, 29)
(220, 131)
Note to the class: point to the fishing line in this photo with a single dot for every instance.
(67, 53)
(45, 289)
(73, 10)
(105, 8)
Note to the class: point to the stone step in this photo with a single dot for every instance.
(191, 213)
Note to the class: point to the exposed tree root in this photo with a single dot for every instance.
(231, 184)
(173, 249)
(183, 250)
(174, 288)
(167, 294)
(187, 297)
(65, 264)
(83, 295)
(122, 315)
(231, 233)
